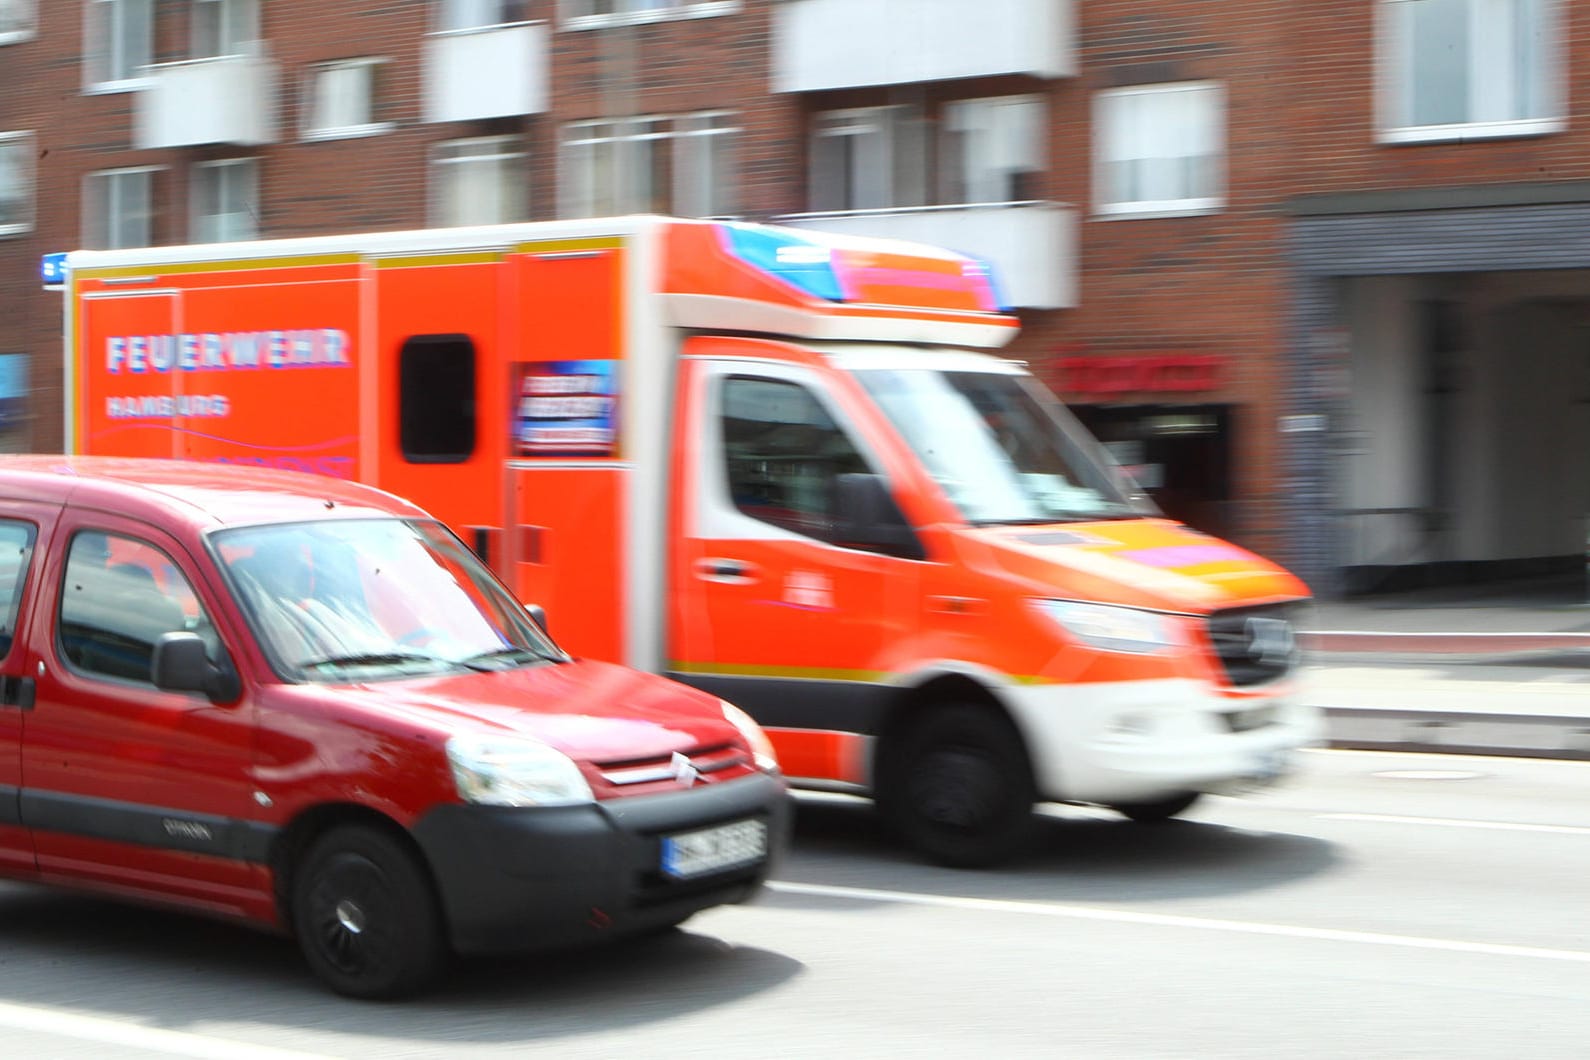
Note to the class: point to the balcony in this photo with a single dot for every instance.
(496, 72)
(828, 44)
(230, 99)
(1032, 245)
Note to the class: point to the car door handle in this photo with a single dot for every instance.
(727, 571)
(16, 692)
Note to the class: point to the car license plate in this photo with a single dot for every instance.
(714, 849)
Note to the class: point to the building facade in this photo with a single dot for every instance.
(1319, 272)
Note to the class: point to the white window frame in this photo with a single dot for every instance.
(614, 166)
(1490, 75)
(248, 197)
(19, 21)
(971, 130)
(508, 157)
(108, 218)
(106, 48)
(314, 82)
(20, 144)
(471, 16)
(588, 14)
(238, 28)
(886, 143)
(1112, 144)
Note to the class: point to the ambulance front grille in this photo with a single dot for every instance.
(1255, 644)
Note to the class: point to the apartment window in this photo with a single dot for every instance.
(478, 181)
(1460, 69)
(990, 150)
(16, 182)
(578, 14)
(478, 14)
(119, 35)
(340, 99)
(16, 20)
(225, 200)
(678, 165)
(871, 158)
(116, 208)
(1161, 149)
(223, 27)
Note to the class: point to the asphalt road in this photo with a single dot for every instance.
(1377, 905)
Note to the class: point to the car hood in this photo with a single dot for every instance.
(591, 711)
(1151, 563)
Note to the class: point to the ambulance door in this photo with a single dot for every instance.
(770, 612)
(125, 380)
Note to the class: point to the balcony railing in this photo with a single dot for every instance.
(230, 99)
(1032, 245)
(829, 44)
(496, 72)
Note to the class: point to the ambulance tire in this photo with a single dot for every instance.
(958, 787)
(366, 915)
(1158, 810)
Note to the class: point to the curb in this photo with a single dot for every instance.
(1458, 732)
(1358, 642)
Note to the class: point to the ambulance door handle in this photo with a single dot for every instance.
(727, 571)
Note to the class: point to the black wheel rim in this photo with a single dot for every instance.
(957, 789)
(351, 918)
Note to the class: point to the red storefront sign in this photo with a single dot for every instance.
(1141, 373)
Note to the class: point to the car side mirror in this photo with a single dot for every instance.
(179, 664)
(865, 516)
(538, 615)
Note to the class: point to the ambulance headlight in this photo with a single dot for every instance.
(761, 746)
(514, 771)
(1108, 627)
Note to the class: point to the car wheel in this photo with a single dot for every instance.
(1159, 809)
(959, 788)
(366, 915)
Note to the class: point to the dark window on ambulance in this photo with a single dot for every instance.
(436, 399)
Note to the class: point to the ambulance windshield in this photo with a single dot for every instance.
(366, 598)
(1002, 447)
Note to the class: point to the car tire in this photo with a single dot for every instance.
(958, 787)
(366, 916)
(1157, 810)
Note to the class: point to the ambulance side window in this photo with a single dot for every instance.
(782, 454)
(436, 399)
(16, 550)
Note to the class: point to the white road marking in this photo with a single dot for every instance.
(1446, 822)
(1126, 916)
(129, 1035)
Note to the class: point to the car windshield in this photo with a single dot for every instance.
(1002, 447)
(362, 598)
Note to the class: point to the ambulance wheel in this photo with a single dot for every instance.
(958, 787)
(366, 915)
(1159, 809)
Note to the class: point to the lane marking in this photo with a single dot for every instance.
(1123, 916)
(151, 1039)
(1447, 822)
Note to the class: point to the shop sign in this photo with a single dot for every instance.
(1141, 373)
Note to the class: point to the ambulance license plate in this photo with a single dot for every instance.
(714, 849)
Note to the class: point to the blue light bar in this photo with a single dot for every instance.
(802, 263)
(52, 269)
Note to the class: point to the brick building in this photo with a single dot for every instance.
(1322, 271)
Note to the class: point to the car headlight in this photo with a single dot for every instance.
(761, 746)
(1112, 628)
(514, 771)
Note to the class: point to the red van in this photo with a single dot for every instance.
(305, 704)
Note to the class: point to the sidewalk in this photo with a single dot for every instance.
(1498, 669)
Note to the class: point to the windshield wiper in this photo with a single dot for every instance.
(374, 658)
(513, 656)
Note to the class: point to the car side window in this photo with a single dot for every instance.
(782, 454)
(16, 554)
(119, 595)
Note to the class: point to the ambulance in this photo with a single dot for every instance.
(786, 467)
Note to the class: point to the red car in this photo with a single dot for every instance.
(305, 704)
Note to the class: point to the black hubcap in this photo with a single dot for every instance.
(351, 916)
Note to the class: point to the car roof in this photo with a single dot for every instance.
(203, 495)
